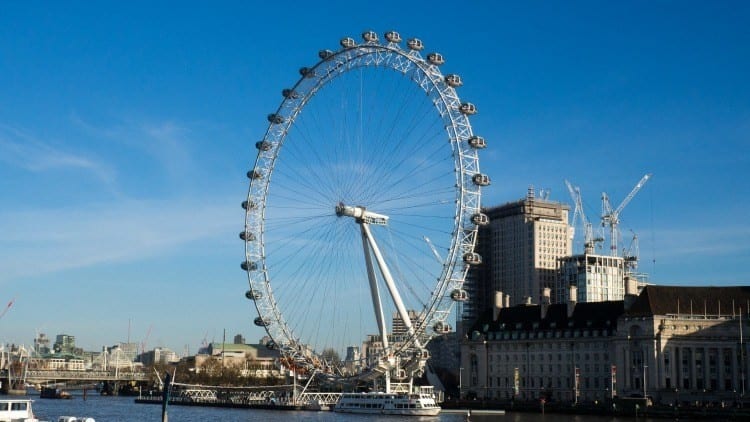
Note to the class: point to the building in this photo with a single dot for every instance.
(520, 248)
(398, 329)
(64, 343)
(352, 362)
(560, 352)
(597, 278)
(159, 356)
(672, 344)
(253, 360)
(42, 345)
(688, 343)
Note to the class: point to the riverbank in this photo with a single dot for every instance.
(606, 409)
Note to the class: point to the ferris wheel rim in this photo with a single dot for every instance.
(427, 76)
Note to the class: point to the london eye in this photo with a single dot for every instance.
(362, 211)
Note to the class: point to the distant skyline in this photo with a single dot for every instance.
(126, 131)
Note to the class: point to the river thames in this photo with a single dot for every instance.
(122, 409)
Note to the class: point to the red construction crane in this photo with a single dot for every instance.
(7, 308)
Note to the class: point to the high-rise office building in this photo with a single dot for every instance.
(597, 278)
(520, 248)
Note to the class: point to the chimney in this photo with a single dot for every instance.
(631, 292)
(498, 305)
(572, 299)
(544, 303)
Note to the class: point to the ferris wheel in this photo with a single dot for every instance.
(362, 211)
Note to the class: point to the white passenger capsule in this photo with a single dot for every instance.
(477, 142)
(435, 59)
(348, 42)
(260, 322)
(480, 219)
(254, 174)
(289, 93)
(325, 54)
(307, 72)
(472, 258)
(275, 119)
(393, 36)
(247, 236)
(480, 179)
(459, 295)
(370, 36)
(249, 205)
(249, 266)
(263, 145)
(468, 108)
(453, 80)
(415, 44)
(253, 294)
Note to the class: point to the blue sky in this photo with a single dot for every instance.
(126, 130)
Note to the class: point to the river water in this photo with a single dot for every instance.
(124, 409)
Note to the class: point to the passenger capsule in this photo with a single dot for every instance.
(459, 295)
(248, 205)
(253, 294)
(393, 36)
(441, 328)
(453, 80)
(254, 174)
(370, 36)
(289, 93)
(472, 258)
(260, 322)
(480, 219)
(325, 54)
(468, 108)
(477, 142)
(263, 145)
(307, 72)
(271, 345)
(480, 179)
(415, 44)
(275, 118)
(435, 59)
(249, 266)
(247, 236)
(348, 42)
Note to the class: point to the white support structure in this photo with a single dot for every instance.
(364, 218)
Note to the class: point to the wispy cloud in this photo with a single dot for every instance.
(166, 141)
(20, 149)
(45, 241)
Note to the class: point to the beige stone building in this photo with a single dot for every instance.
(520, 248)
(687, 343)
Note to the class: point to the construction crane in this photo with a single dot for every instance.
(630, 255)
(589, 241)
(611, 218)
(7, 308)
(145, 339)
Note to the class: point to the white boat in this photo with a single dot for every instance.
(420, 403)
(19, 410)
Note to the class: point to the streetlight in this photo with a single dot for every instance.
(460, 378)
(486, 371)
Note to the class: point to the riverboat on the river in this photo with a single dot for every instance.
(419, 403)
(20, 410)
(16, 410)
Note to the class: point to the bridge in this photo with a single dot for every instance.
(45, 376)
